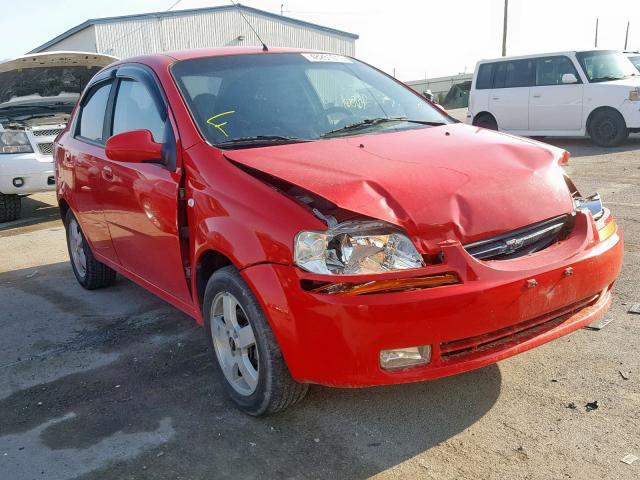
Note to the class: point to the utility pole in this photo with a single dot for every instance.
(596, 45)
(626, 37)
(504, 28)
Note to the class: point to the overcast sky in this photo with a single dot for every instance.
(416, 37)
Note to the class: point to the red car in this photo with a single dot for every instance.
(324, 222)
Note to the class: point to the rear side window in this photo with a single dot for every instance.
(549, 71)
(92, 113)
(485, 76)
(513, 74)
(136, 110)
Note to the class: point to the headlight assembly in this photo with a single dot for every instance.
(14, 142)
(356, 247)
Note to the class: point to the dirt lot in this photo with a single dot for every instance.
(116, 384)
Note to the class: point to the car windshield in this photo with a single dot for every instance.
(605, 65)
(258, 99)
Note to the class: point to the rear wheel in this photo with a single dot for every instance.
(10, 207)
(89, 272)
(608, 128)
(249, 359)
(486, 120)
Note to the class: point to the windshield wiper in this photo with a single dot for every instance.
(368, 122)
(260, 140)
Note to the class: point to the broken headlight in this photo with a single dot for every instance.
(14, 142)
(356, 247)
(593, 203)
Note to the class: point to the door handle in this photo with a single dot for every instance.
(536, 95)
(495, 98)
(107, 173)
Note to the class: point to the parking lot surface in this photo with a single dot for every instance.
(116, 384)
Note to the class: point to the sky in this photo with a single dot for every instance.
(415, 38)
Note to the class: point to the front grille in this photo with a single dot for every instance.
(523, 241)
(45, 148)
(461, 350)
(51, 132)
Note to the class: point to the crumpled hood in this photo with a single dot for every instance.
(450, 182)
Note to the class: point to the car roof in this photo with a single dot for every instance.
(548, 54)
(179, 55)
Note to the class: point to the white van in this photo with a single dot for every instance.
(37, 94)
(595, 93)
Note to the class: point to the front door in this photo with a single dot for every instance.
(555, 105)
(141, 199)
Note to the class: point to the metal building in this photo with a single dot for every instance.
(132, 35)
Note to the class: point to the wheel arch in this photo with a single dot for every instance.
(595, 111)
(485, 113)
(208, 262)
(64, 207)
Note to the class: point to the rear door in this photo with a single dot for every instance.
(555, 105)
(84, 158)
(509, 100)
(141, 199)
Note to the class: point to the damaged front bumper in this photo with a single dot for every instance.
(498, 309)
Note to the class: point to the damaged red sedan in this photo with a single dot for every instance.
(324, 222)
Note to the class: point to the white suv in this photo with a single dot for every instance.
(37, 94)
(595, 93)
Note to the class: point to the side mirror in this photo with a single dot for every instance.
(136, 146)
(569, 78)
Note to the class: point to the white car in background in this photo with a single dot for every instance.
(37, 94)
(595, 93)
(634, 57)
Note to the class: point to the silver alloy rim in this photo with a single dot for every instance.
(234, 343)
(76, 248)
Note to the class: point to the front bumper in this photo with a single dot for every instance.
(631, 113)
(336, 340)
(36, 171)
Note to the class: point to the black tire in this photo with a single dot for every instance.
(96, 274)
(10, 207)
(276, 390)
(486, 120)
(607, 128)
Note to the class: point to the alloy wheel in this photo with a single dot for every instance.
(76, 248)
(234, 343)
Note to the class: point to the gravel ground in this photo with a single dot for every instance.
(117, 384)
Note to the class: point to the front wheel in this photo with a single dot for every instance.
(89, 272)
(249, 359)
(608, 128)
(10, 207)
(486, 120)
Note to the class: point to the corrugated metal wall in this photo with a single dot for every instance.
(211, 29)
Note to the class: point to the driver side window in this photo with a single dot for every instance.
(136, 110)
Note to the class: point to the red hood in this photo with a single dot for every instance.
(450, 182)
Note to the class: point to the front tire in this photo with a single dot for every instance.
(608, 128)
(249, 360)
(486, 120)
(10, 207)
(89, 272)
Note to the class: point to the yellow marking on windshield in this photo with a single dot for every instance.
(220, 125)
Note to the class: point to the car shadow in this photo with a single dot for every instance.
(142, 399)
(583, 147)
(34, 212)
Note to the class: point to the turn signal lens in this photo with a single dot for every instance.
(405, 357)
(608, 230)
(634, 95)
